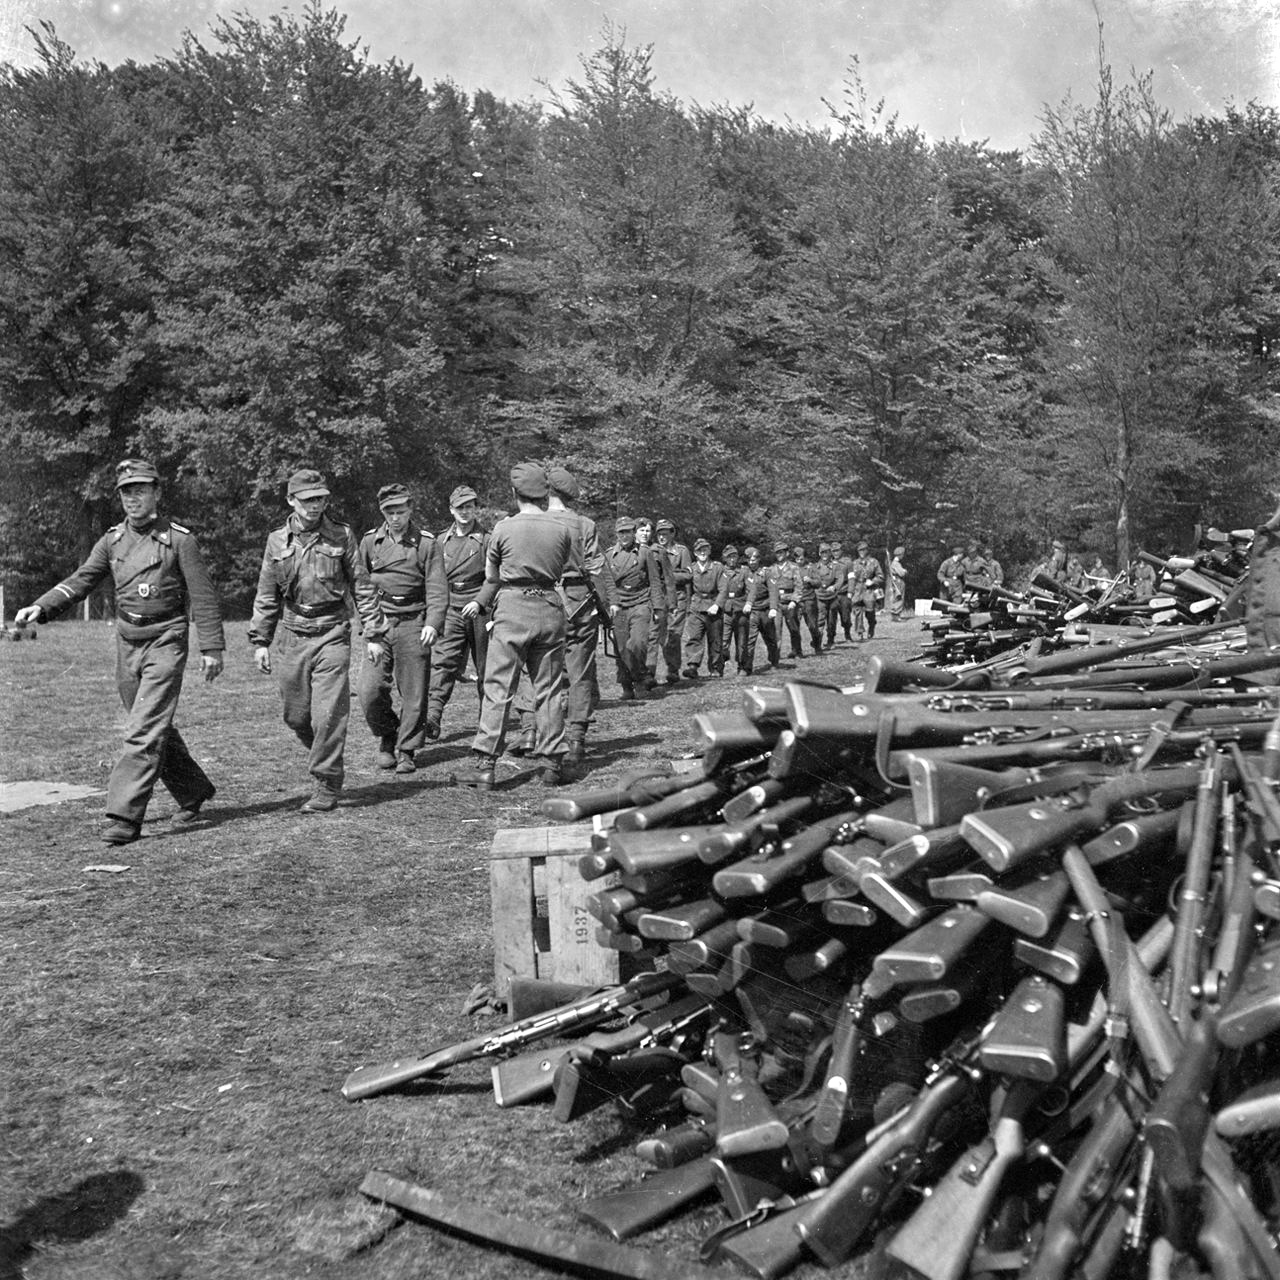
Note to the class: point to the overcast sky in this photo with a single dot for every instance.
(974, 69)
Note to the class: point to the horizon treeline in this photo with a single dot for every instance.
(266, 251)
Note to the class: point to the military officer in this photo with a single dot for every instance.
(657, 643)
(404, 565)
(737, 618)
(950, 575)
(587, 589)
(897, 584)
(709, 592)
(639, 595)
(844, 608)
(866, 585)
(462, 548)
(160, 579)
(761, 606)
(807, 600)
(681, 576)
(785, 575)
(528, 555)
(310, 566)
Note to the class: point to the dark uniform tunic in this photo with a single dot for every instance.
(527, 557)
(159, 577)
(786, 580)
(844, 608)
(705, 628)
(760, 601)
(680, 558)
(660, 630)
(463, 556)
(408, 575)
(866, 581)
(639, 593)
(828, 576)
(737, 620)
(303, 587)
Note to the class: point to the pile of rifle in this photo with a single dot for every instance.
(980, 980)
(991, 620)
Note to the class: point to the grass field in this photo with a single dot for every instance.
(175, 1034)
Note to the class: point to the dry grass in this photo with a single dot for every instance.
(175, 1035)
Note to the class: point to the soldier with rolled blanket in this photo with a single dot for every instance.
(761, 606)
(161, 583)
(737, 619)
(705, 624)
(866, 583)
(639, 595)
(463, 548)
(528, 555)
(309, 570)
(407, 573)
(681, 562)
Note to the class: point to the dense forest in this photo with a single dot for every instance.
(268, 250)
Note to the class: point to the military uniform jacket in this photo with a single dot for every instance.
(666, 575)
(828, 579)
(785, 576)
(407, 573)
(865, 579)
(586, 567)
(528, 551)
(158, 574)
(735, 588)
(707, 586)
(464, 556)
(636, 577)
(950, 569)
(841, 566)
(306, 578)
(760, 589)
(975, 571)
(995, 571)
(680, 558)
(807, 574)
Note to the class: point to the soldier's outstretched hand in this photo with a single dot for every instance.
(28, 616)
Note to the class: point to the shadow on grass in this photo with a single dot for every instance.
(88, 1209)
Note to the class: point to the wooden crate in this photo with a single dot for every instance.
(541, 925)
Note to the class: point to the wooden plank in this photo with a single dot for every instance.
(511, 906)
(575, 955)
(532, 842)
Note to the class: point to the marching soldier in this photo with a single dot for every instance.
(639, 595)
(866, 581)
(844, 608)
(408, 575)
(950, 575)
(897, 584)
(737, 618)
(807, 606)
(527, 557)
(828, 589)
(657, 643)
(708, 593)
(785, 578)
(310, 566)
(588, 595)
(760, 604)
(160, 581)
(681, 563)
(463, 548)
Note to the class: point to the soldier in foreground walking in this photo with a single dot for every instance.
(160, 578)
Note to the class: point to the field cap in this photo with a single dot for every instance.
(665, 525)
(392, 494)
(701, 542)
(136, 471)
(1057, 542)
(463, 493)
(562, 481)
(862, 546)
(781, 546)
(529, 481)
(623, 523)
(823, 546)
(308, 483)
(798, 547)
(730, 550)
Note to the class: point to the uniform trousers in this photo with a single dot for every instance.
(704, 630)
(527, 636)
(673, 641)
(828, 617)
(808, 610)
(864, 618)
(631, 632)
(405, 666)
(314, 674)
(766, 628)
(458, 637)
(581, 638)
(656, 644)
(149, 678)
(737, 626)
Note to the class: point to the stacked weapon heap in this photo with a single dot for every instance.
(990, 620)
(975, 980)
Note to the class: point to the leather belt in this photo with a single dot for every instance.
(148, 620)
(401, 600)
(541, 584)
(327, 610)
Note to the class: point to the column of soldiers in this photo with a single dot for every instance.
(526, 599)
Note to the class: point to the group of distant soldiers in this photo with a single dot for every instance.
(973, 566)
(523, 603)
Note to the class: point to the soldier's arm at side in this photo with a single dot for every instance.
(267, 604)
(595, 566)
(657, 581)
(206, 612)
(492, 580)
(372, 620)
(435, 586)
